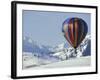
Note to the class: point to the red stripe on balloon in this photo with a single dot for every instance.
(72, 34)
(67, 37)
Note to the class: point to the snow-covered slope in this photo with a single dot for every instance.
(74, 62)
(29, 60)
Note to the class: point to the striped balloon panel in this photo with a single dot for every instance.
(75, 30)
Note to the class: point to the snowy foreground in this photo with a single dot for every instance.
(74, 62)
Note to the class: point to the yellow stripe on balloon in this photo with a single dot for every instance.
(76, 25)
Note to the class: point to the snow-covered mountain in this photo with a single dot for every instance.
(35, 54)
(64, 52)
(33, 47)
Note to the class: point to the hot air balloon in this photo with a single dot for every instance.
(75, 30)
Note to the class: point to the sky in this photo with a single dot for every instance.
(45, 28)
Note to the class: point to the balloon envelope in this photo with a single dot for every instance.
(75, 30)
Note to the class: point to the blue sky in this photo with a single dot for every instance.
(46, 27)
